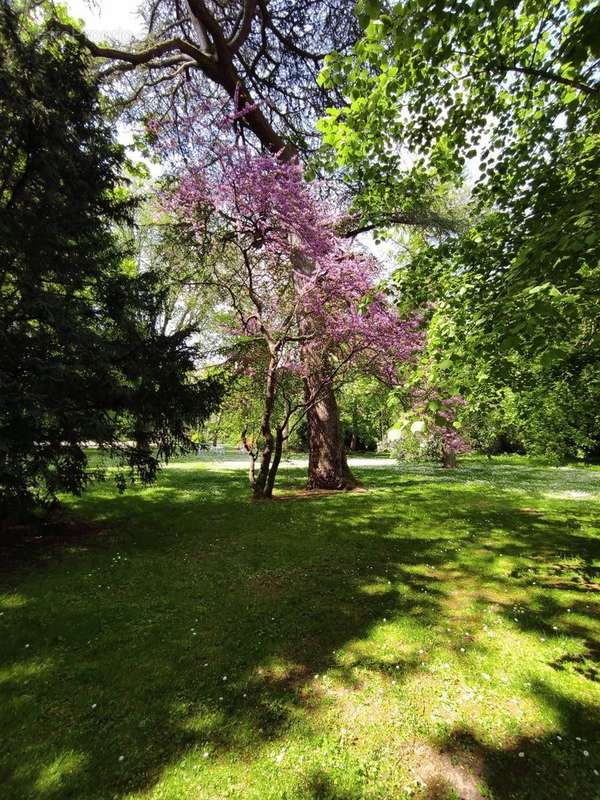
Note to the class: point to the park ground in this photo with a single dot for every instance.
(434, 636)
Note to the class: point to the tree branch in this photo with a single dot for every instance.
(549, 76)
(138, 57)
(413, 220)
(241, 34)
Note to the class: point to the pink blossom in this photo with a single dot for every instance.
(289, 262)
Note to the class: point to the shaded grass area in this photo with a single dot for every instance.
(434, 637)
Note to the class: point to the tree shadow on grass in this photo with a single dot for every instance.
(200, 625)
(547, 767)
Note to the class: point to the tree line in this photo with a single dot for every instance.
(463, 136)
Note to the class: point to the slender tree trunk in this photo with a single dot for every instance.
(286, 434)
(275, 464)
(260, 483)
(252, 469)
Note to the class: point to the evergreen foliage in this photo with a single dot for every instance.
(81, 357)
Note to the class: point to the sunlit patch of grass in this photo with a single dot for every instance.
(436, 636)
(11, 600)
(56, 775)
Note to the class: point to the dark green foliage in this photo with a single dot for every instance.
(80, 356)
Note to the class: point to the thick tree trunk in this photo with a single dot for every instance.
(327, 463)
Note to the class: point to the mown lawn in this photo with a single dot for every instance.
(433, 637)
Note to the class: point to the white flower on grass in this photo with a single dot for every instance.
(205, 754)
(94, 705)
(586, 753)
(121, 758)
(521, 754)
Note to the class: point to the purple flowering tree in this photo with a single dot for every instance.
(301, 303)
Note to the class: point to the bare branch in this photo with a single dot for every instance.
(138, 57)
(241, 34)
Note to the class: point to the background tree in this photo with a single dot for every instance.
(367, 411)
(510, 92)
(81, 358)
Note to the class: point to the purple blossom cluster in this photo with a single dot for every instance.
(441, 424)
(290, 263)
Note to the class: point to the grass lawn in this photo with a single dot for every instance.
(434, 637)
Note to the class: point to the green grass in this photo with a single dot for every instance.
(410, 641)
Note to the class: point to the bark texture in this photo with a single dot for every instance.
(327, 462)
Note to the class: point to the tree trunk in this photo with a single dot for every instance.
(260, 483)
(327, 463)
(449, 457)
(252, 469)
(275, 464)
